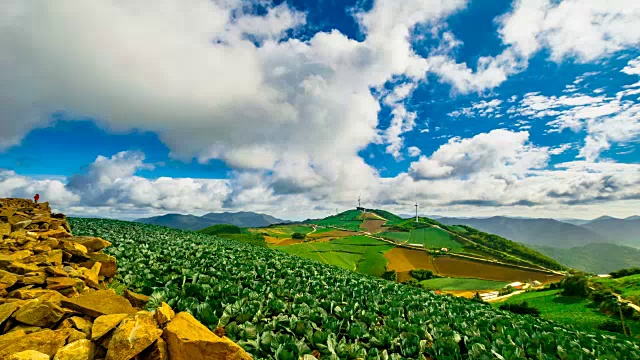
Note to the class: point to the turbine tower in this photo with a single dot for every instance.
(416, 210)
(359, 201)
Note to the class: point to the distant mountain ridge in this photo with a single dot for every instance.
(541, 232)
(192, 222)
(597, 258)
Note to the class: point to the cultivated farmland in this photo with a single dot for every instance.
(459, 267)
(278, 306)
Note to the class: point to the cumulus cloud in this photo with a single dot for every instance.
(606, 119)
(215, 81)
(15, 185)
(414, 151)
(111, 182)
(584, 30)
(499, 152)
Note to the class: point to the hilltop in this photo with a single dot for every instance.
(460, 260)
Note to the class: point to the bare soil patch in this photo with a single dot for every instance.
(373, 226)
(457, 267)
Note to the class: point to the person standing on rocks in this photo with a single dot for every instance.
(36, 198)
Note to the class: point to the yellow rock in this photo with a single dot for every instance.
(46, 341)
(100, 302)
(91, 277)
(105, 323)
(157, 351)
(56, 271)
(164, 314)
(77, 350)
(93, 244)
(7, 310)
(109, 265)
(29, 355)
(7, 279)
(39, 313)
(35, 278)
(17, 267)
(44, 295)
(76, 335)
(132, 336)
(28, 329)
(74, 248)
(187, 339)
(137, 300)
(81, 324)
(57, 283)
(5, 229)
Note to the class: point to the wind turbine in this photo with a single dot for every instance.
(416, 210)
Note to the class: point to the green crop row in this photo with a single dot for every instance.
(279, 306)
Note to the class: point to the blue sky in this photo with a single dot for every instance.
(294, 108)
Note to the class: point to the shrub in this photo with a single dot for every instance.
(477, 298)
(390, 275)
(625, 272)
(221, 229)
(298, 236)
(506, 290)
(521, 308)
(422, 274)
(611, 325)
(575, 285)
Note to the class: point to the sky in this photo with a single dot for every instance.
(126, 109)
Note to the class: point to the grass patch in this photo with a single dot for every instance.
(395, 236)
(577, 312)
(253, 239)
(359, 253)
(462, 284)
(434, 238)
(628, 286)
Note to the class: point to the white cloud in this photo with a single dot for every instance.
(111, 182)
(560, 149)
(606, 119)
(481, 108)
(187, 73)
(414, 151)
(585, 30)
(54, 191)
(500, 152)
(633, 67)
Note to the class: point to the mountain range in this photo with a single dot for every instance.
(192, 222)
(555, 233)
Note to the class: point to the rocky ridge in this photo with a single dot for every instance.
(55, 303)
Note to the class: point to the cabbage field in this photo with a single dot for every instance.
(279, 306)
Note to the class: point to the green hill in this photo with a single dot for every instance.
(594, 258)
(279, 306)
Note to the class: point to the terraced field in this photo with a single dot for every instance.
(434, 238)
(355, 253)
(465, 268)
(462, 284)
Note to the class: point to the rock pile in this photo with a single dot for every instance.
(54, 301)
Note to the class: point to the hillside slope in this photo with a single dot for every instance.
(598, 258)
(273, 304)
(192, 222)
(541, 232)
(177, 221)
(625, 231)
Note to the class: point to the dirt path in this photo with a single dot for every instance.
(627, 302)
(503, 297)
